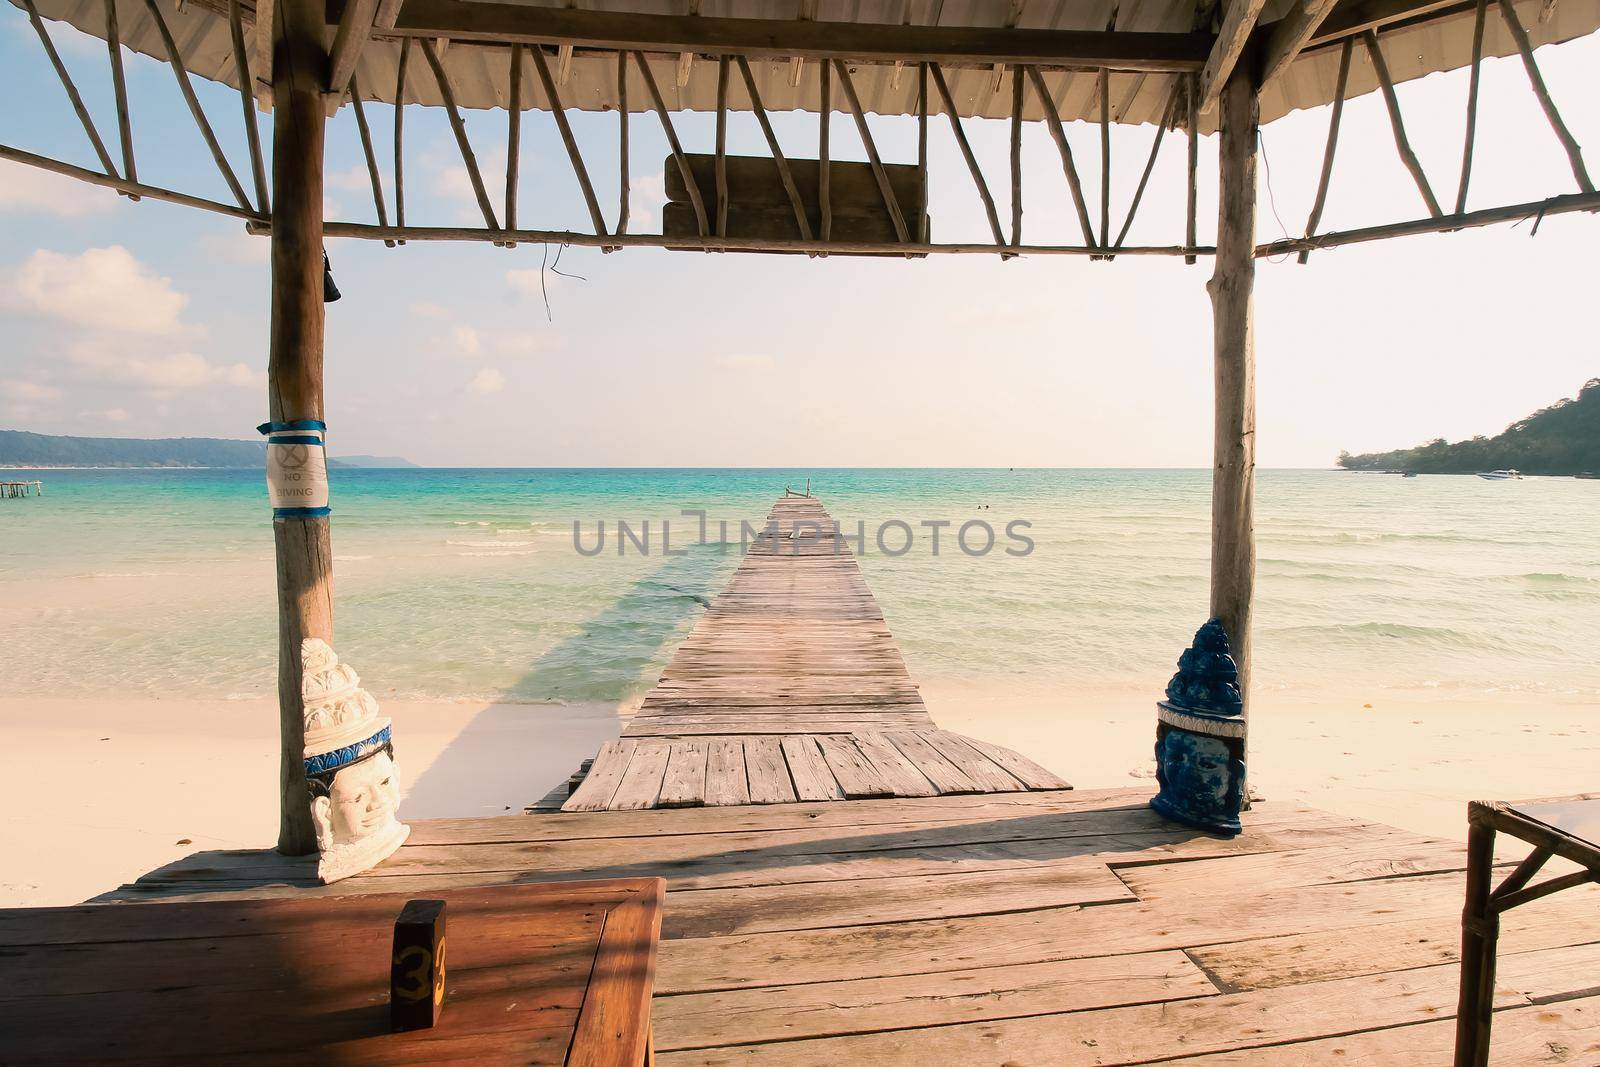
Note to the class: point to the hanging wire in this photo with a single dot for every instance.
(1272, 199)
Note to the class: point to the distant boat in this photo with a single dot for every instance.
(1500, 476)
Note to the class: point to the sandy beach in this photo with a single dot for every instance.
(99, 792)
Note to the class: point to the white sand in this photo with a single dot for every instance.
(96, 792)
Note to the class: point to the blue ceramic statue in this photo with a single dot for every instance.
(1200, 732)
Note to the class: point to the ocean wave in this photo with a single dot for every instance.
(125, 574)
(350, 559)
(466, 522)
(491, 544)
(484, 555)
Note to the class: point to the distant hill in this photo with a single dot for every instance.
(1563, 438)
(19, 448)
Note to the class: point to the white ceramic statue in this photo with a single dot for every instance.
(349, 764)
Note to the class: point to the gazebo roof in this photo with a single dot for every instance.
(1151, 43)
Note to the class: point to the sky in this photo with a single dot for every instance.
(148, 319)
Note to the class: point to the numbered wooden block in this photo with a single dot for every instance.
(416, 971)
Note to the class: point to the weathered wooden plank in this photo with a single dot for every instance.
(903, 777)
(813, 780)
(854, 772)
(684, 783)
(641, 782)
(931, 762)
(726, 781)
(594, 793)
(1019, 766)
(976, 765)
(707, 1020)
(1314, 866)
(768, 771)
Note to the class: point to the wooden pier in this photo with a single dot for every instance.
(791, 688)
(21, 489)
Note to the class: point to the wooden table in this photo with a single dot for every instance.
(555, 974)
(1567, 828)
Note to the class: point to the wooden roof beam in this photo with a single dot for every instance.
(1290, 36)
(507, 23)
(1238, 22)
(355, 25)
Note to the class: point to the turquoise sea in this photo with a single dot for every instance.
(466, 583)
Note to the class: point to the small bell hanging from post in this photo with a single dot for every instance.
(330, 292)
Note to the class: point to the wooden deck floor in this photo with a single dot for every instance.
(1022, 929)
(791, 688)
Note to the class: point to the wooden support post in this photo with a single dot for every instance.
(1333, 142)
(371, 155)
(622, 141)
(1052, 121)
(558, 112)
(1479, 18)
(399, 131)
(252, 131)
(120, 86)
(966, 153)
(175, 61)
(513, 138)
(1105, 157)
(1167, 120)
(667, 128)
(1016, 155)
(784, 174)
(1233, 476)
(922, 146)
(824, 149)
(459, 128)
(1536, 80)
(294, 376)
(1480, 931)
(1401, 143)
(722, 147)
(1191, 95)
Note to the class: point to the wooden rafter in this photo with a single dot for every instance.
(399, 139)
(1290, 36)
(355, 25)
(1016, 155)
(459, 128)
(1479, 18)
(891, 203)
(1168, 118)
(784, 39)
(1105, 156)
(824, 149)
(369, 153)
(1332, 144)
(1191, 105)
(252, 132)
(721, 228)
(922, 146)
(672, 142)
(1052, 121)
(261, 51)
(119, 86)
(1401, 142)
(514, 137)
(1538, 209)
(559, 113)
(1568, 143)
(966, 152)
(784, 174)
(1238, 22)
(626, 182)
(184, 86)
(134, 190)
(71, 89)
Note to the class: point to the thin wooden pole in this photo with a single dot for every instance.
(1333, 142)
(722, 146)
(672, 142)
(784, 174)
(1536, 80)
(1052, 121)
(559, 112)
(193, 101)
(1407, 156)
(133, 190)
(294, 378)
(252, 131)
(1105, 156)
(72, 90)
(622, 141)
(824, 149)
(119, 86)
(1479, 18)
(367, 150)
(460, 130)
(1233, 552)
(1016, 155)
(1191, 96)
(891, 203)
(1167, 119)
(966, 152)
(1538, 209)
(922, 149)
(514, 138)
(399, 135)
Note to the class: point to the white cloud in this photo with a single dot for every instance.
(646, 197)
(746, 361)
(522, 344)
(17, 388)
(427, 309)
(526, 282)
(103, 288)
(25, 188)
(236, 246)
(173, 372)
(487, 381)
(355, 177)
(464, 341)
(108, 415)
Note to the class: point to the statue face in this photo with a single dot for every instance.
(1197, 768)
(363, 799)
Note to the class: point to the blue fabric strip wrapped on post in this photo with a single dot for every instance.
(1200, 732)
